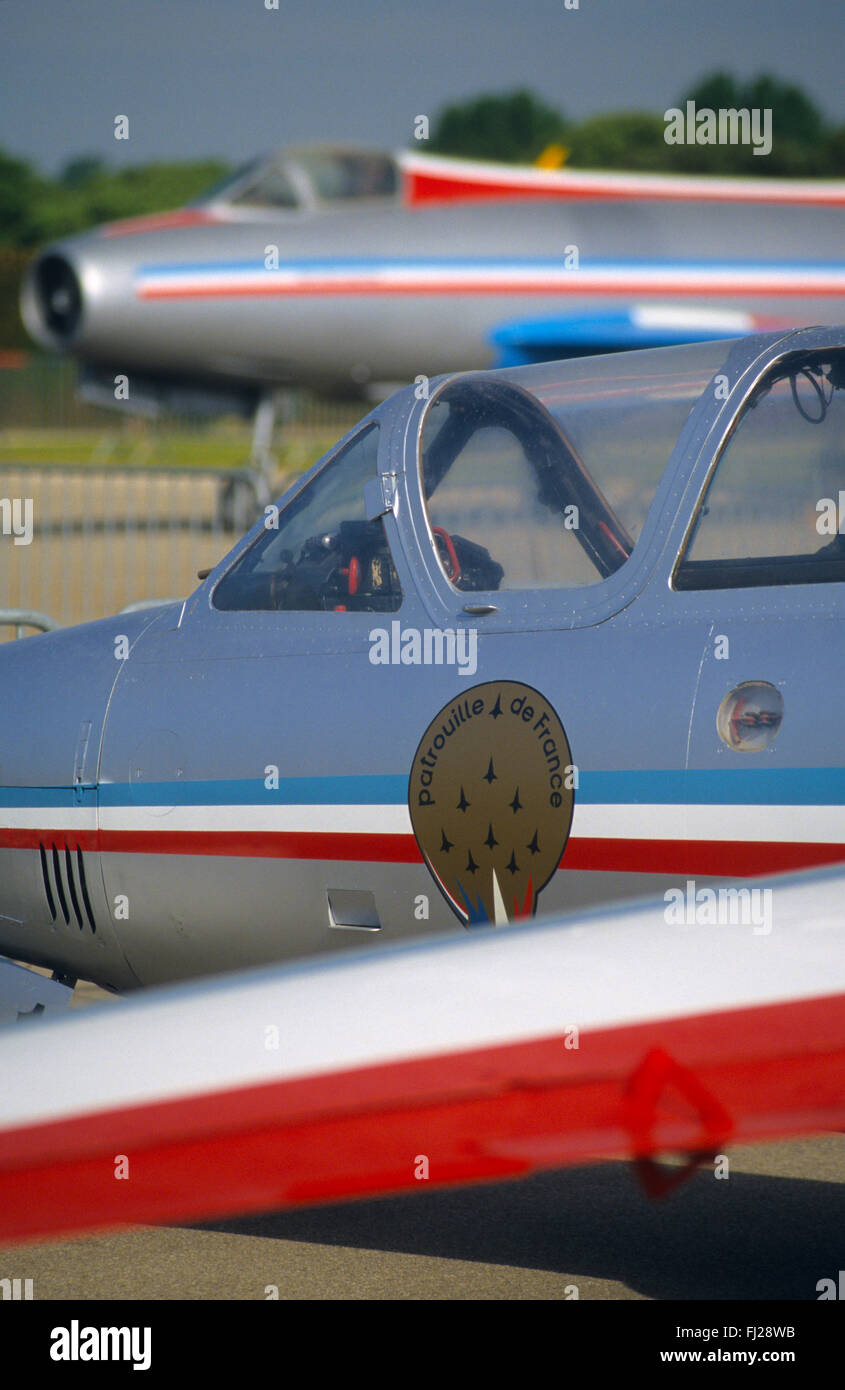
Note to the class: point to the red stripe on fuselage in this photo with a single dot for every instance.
(773, 289)
(722, 857)
(601, 855)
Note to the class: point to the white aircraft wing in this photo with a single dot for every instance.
(25, 994)
(484, 1056)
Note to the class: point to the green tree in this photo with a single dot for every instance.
(794, 115)
(627, 140)
(835, 152)
(18, 188)
(81, 169)
(800, 139)
(717, 90)
(514, 128)
(87, 193)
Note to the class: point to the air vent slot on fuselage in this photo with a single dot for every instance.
(351, 909)
(84, 886)
(60, 887)
(66, 884)
(48, 887)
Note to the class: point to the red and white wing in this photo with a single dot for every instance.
(483, 1056)
(438, 178)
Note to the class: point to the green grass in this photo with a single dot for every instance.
(151, 447)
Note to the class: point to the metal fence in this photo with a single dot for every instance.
(99, 510)
(38, 391)
(79, 543)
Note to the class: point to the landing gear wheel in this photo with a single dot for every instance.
(239, 504)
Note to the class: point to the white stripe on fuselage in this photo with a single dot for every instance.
(749, 824)
(668, 277)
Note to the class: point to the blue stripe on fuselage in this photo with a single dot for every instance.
(794, 786)
(369, 263)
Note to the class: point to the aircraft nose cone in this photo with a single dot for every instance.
(51, 300)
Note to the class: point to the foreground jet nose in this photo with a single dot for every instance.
(52, 298)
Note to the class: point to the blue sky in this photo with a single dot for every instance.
(231, 78)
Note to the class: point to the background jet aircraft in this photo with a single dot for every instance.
(343, 270)
(558, 635)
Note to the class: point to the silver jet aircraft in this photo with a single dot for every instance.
(345, 269)
(538, 638)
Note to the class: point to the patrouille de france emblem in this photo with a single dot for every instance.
(491, 798)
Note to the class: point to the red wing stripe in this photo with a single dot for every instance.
(425, 187)
(775, 1070)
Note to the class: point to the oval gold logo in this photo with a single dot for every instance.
(491, 800)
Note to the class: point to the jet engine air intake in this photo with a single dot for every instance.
(51, 303)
